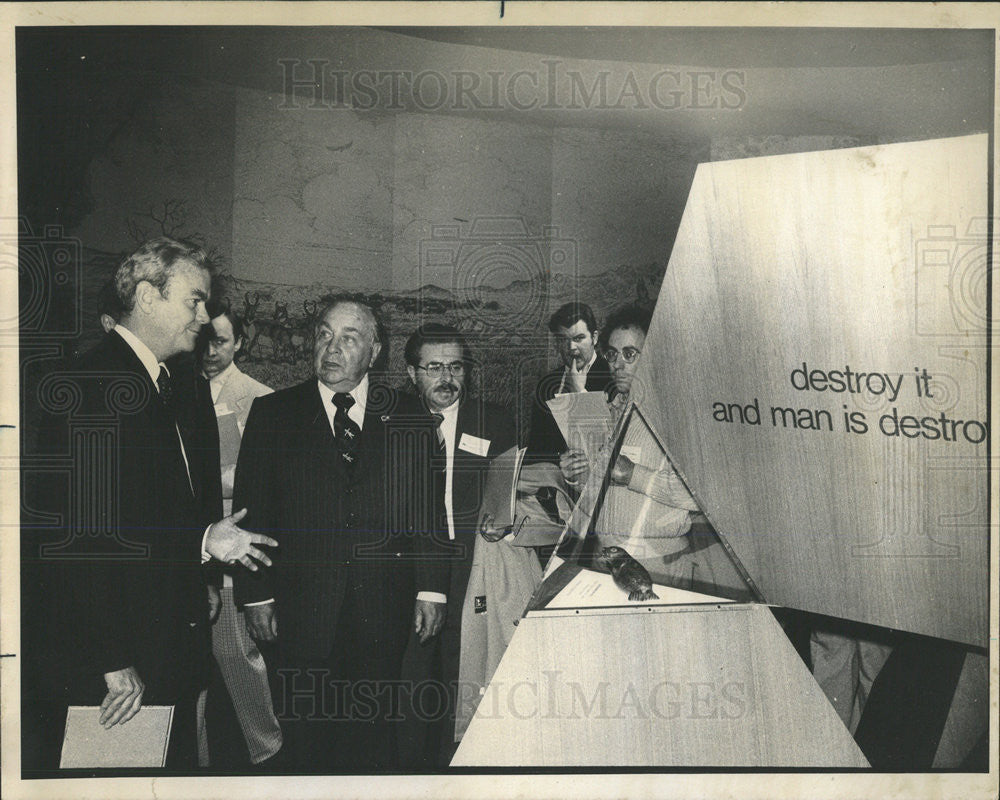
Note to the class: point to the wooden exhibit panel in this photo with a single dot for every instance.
(681, 686)
(864, 497)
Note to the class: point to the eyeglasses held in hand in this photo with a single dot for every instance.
(436, 368)
(628, 354)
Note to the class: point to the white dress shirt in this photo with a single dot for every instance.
(216, 382)
(356, 413)
(449, 429)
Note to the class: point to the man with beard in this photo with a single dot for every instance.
(330, 465)
(470, 433)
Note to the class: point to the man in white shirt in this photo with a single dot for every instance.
(471, 433)
(240, 661)
(583, 369)
(124, 612)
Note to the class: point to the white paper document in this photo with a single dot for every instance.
(590, 589)
(140, 742)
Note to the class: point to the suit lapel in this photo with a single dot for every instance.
(319, 439)
(160, 425)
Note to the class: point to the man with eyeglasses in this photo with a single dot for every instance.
(471, 432)
(583, 369)
(675, 553)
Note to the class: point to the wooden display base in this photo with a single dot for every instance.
(710, 685)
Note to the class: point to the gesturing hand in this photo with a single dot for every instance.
(262, 621)
(124, 697)
(229, 543)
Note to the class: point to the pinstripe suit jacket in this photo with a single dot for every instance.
(363, 528)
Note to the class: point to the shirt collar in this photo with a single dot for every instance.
(451, 412)
(142, 351)
(222, 377)
(359, 393)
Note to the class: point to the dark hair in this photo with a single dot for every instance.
(568, 315)
(219, 306)
(234, 320)
(108, 302)
(630, 316)
(435, 333)
(154, 262)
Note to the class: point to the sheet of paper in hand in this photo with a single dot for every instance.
(229, 438)
(584, 420)
(140, 742)
(500, 495)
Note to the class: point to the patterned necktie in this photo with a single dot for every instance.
(166, 386)
(438, 420)
(345, 429)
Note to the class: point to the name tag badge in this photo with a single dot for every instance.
(474, 445)
(222, 409)
(632, 453)
(481, 604)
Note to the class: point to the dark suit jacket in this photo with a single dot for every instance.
(367, 533)
(545, 441)
(134, 593)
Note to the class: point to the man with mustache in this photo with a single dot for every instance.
(471, 432)
(331, 464)
(583, 369)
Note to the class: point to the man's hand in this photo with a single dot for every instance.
(574, 465)
(229, 543)
(214, 602)
(262, 621)
(428, 619)
(124, 697)
(621, 472)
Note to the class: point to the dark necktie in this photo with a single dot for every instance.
(345, 430)
(166, 386)
(438, 420)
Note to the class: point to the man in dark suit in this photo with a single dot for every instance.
(119, 612)
(345, 478)
(471, 432)
(583, 370)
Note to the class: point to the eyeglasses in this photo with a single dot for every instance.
(436, 368)
(628, 354)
